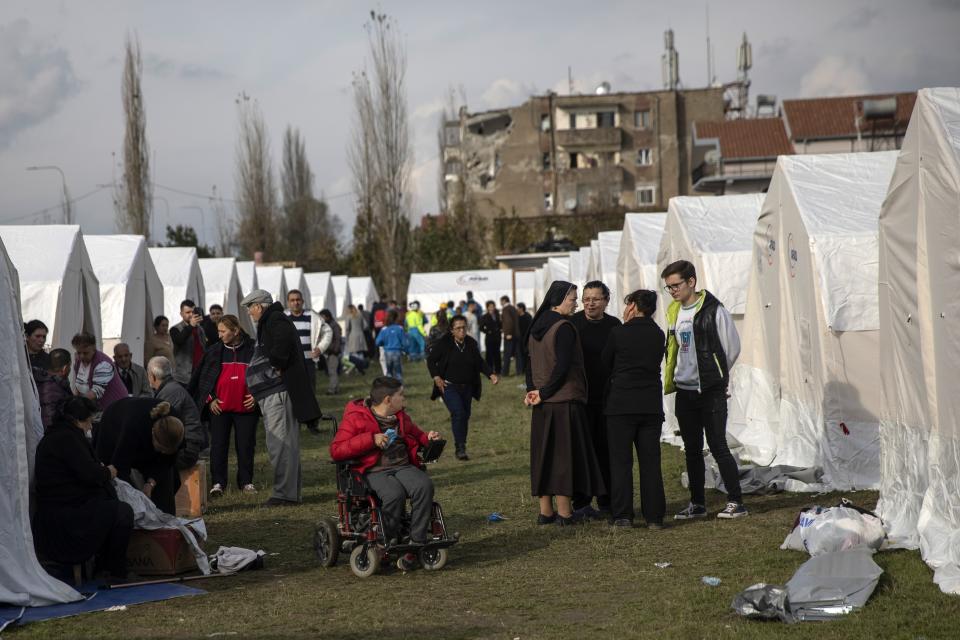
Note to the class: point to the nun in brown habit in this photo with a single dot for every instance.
(562, 459)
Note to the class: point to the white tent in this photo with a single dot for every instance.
(639, 244)
(247, 272)
(179, 271)
(538, 290)
(341, 291)
(715, 233)
(293, 276)
(920, 339)
(270, 279)
(603, 266)
(363, 291)
(806, 390)
(579, 263)
(321, 291)
(557, 269)
(131, 294)
(23, 582)
(221, 284)
(57, 283)
(432, 289)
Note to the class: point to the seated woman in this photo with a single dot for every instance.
(140, 433)
(78, 513)
(384, 440)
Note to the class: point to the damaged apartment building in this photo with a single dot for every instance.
(576, 154)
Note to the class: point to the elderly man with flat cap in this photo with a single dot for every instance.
(277, 379)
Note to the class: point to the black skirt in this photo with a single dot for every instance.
(70, 534)
(562, 459)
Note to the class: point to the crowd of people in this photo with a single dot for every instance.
(594, 383)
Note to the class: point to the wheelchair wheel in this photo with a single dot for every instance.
(433, 559)
(364, 562)
(326, 542)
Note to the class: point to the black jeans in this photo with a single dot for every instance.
(510, 351)
(598, 434)
(245, 440)
(702, 413)
(393, 486)
(457, 398)
(493, 353)
(624, 434)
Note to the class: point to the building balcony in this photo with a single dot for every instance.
(600, 139)
(612, 175)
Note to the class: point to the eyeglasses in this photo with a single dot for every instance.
(459, 327)
(593, 300)
(671, 288)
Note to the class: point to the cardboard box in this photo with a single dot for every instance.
(163, 552)
(192, 496)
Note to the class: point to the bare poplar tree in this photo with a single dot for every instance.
(385, 153)
(309, 233)
(256, 191)
(134, 194)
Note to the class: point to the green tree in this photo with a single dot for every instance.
(184, 235)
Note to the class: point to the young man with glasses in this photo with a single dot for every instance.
(702, 345)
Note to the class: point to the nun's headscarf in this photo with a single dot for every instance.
(545, 314)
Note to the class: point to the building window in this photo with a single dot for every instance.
(573, 121)
(641, 119)
(548, 201)
(646, 195)
(644, 157)
(452, 168)
(574, 159)
(546, 160)
(544, 122)
(451, 135)
(606, 119)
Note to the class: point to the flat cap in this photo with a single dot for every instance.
(257, 296)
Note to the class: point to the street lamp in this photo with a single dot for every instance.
(67, 212)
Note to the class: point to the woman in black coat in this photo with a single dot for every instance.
(455, 364)
(219, 387)
(492, 329)
(78, 513)
(142, 434)
(634, 410)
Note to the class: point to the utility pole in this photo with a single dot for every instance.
(67, 209)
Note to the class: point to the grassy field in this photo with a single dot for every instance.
(511, 579)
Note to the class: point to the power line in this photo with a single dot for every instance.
(58, 206)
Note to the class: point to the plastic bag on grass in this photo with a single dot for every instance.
(820, 530)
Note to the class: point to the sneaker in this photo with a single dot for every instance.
(733, 510)
(249, 488)
(692, 511)
(622, 522)
(542, 519)
(407, 562)
(216, 491)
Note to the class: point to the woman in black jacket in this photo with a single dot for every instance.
(492, 329)
(634, 410)
(78, 513)
(219, 387)
(455, 364)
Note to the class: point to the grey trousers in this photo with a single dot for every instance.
(283, 446)
(393, 486)
(333, 363)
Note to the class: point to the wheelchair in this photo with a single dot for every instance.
(358, 529)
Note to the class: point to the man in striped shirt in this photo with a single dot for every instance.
(307, 324)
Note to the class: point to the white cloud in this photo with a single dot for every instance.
(35, 80)
(834, 76)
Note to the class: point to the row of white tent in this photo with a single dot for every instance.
(113, 286)
(840, 280)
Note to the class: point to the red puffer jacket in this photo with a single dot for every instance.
(354, 439)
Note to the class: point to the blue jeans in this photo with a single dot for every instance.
(417, 345)
(458, 397)
(394, 360)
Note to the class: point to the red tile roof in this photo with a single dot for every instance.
(814, 118)
(747, 138)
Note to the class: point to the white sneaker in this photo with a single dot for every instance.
(216, 491)
(249, 488)
(733, 510)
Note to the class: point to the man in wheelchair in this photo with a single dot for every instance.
(381, 437)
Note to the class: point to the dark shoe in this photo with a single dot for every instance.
(692, 511)
(568, 522)
(588, 513)
(279, 502)
(542, 519)
(313, 428)
(461, 453)
(655, 526)
(622, 522)
(407, 562)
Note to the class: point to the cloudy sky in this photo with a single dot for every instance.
(61, 62)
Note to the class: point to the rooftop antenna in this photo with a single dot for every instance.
(709, 50)
(744, 64)
(670, 61)
(570, 80)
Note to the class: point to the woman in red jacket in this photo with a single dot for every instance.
(381, 436)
